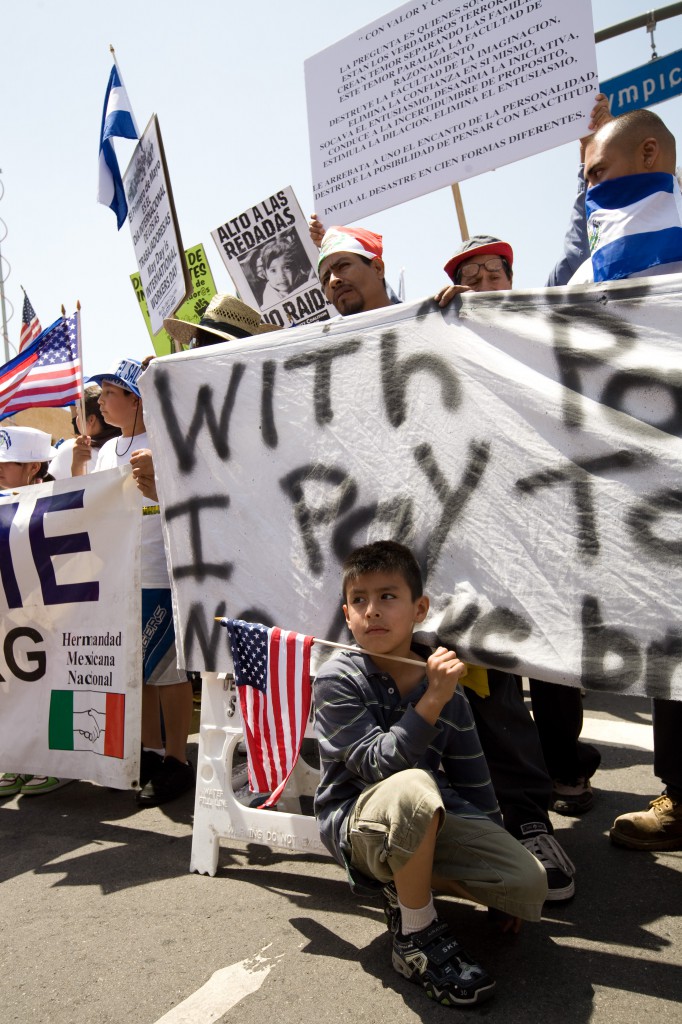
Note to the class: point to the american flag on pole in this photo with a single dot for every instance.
(46, 373)
(30, 324)
(272, 673)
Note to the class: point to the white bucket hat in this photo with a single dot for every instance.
(25, 444)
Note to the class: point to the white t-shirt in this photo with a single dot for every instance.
(154, 570)
(60, 467)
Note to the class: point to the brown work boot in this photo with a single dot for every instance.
(659, 828)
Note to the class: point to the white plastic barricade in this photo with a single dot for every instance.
(217, 812)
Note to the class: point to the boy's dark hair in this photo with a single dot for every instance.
(383, 556)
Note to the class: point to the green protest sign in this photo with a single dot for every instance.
(192, 309)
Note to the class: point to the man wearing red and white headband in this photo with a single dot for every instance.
(351, 269)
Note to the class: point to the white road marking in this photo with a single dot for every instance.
(620, 734)
(222, 991)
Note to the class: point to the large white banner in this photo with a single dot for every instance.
(528, 449)
(70, 654)
(435, 92)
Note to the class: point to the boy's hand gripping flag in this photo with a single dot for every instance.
(117, 121)
(272, 673)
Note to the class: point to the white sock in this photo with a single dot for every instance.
(416, 920)
(156, 750)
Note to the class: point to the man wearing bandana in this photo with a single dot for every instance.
(634, 229)
(633, 204)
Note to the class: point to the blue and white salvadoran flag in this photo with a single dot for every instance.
(118, 120)
(634, 223)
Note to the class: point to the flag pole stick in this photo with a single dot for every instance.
(361, 650)
(348, 647)
(79, 349)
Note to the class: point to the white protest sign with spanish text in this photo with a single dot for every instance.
(272, 260)
(154, 228)
(436, 92)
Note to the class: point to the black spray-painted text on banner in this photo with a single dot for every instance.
(517, 450)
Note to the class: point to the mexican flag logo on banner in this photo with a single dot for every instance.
(87, 720)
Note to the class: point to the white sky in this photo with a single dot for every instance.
(226, 80)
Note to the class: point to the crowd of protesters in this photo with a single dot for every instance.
(395, 807)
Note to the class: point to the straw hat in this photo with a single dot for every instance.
(226, 316)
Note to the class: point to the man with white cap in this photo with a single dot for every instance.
(165, 772)
(24, 453)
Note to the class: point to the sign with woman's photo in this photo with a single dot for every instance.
(269, 255)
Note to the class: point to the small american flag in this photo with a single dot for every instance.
(272, 673)
(30, 324)
(46, 373)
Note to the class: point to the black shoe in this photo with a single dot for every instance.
(572, 798)
(171, 780)
(559, 867)
(435, 960)
(391, 908)
(150, 762)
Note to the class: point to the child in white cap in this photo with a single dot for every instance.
(24, 454)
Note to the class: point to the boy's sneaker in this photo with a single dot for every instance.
(572, 799)
(435, 960)
(659, 828)
(391, 908)
(150, 762)
(171, 780)
(39, 784)
(559, 867)
(11, 783)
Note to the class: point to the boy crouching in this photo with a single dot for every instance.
(405, 800)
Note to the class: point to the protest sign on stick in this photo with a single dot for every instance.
(154, 228)
(70, 638)
(269, 255)
(192, 309)
(437, 92)
(528, 450)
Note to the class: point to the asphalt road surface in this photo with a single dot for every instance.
(103, 923)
